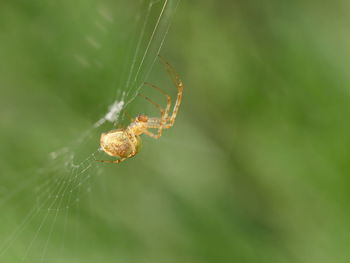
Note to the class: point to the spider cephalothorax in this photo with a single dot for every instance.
(125, 143)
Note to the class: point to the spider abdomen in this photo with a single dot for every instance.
(118, 143)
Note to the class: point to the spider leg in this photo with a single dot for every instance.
(162, 113)
(165, 94)
(128, 115)
(120, 125)
(171, 71)
(153, 135)
(179, 86)
(172, 118)
(110, 161)
(154, 103)
(118, 160)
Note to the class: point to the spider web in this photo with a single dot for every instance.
(43, 213)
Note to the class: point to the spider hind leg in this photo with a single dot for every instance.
(110, 161)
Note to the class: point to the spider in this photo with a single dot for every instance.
(125, 143)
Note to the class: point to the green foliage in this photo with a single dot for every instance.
(254, 170)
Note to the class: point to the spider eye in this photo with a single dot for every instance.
(142, 118)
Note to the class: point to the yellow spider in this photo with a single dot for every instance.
(125, 143)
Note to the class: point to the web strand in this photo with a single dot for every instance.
(59, 186)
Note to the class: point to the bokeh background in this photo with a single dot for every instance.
(256, 168)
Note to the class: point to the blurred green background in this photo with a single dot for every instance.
(254, 170)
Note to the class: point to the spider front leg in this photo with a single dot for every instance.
(165, 94)
(179, 86)
(151, 134)
(162, 119)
